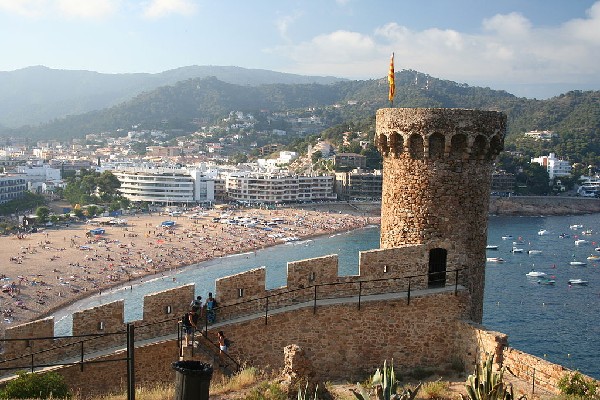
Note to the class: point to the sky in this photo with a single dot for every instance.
(531, 48)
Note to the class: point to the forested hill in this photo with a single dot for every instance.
(34, 95)
(176, 106)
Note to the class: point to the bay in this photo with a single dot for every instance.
(558, 322)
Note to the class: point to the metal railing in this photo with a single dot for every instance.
(263, 304)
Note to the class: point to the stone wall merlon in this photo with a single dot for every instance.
(240, 287)
(313, 271)
(168, 303)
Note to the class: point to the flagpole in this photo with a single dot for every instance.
(391, 81)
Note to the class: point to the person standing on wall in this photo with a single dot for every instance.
(210, 305)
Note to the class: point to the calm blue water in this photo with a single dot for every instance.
(557, 322)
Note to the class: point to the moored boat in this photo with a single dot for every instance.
(517, 250)
(576, 226)
(535, 274)
(495, 259)
(543, 232)
(532, 252)
(593, 257)
(491, 247)
(577, 282)
(577, 263)
(579, 242)
(507, 237)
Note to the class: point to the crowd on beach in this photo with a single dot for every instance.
(51, 268)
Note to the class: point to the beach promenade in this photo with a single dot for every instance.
(46, 270)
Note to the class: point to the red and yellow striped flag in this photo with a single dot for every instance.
(391, 80)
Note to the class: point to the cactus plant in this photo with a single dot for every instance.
(385, 386)
(487, 384)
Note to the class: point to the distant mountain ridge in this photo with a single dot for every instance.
(39, 94)
(576, 114)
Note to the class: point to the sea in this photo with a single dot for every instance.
(555, 320)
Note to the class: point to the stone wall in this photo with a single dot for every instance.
(474, 343)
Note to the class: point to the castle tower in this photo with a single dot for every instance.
(437, 167)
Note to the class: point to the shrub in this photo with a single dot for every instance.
(267, 391)
(42, 386)
(437, 390)
(576, 384)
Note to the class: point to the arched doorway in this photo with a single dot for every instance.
(437, 268)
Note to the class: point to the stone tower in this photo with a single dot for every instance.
(437, 167)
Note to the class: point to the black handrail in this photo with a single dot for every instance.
(266, 298)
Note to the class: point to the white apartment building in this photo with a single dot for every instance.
(166, 186)
(278, 188)
(555, 167)
(11, 188)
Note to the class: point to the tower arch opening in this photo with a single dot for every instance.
(416, 147)
(396, 144)
(458, 146)
(436, 145)
(382, 143)
(479, 148)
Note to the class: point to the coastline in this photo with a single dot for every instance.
(84, 267)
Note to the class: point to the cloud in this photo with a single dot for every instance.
(25, 8)
(160, 8)
(87, 9)
(283, 24)
(508, 48)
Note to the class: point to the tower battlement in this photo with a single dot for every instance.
(434, 134)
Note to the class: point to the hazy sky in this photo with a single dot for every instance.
(533, 48)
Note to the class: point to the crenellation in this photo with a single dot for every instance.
(310, 272)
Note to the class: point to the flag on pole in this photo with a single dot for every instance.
(391, 80)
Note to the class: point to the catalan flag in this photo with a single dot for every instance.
(391, 80)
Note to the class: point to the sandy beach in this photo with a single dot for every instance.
(44, 271)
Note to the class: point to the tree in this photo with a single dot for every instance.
(316, 156)
(42, 214)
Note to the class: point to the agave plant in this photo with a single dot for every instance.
(487, 384)
(385, 386)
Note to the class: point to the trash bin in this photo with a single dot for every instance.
(192, 380)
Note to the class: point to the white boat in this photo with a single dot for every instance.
(517, 250)
(579, 242)
(518, 243)
(495, 259)
(576, 226)
(593, 258)
(587, 232)
(507, 237)
(491, 247)
(534, 252)
(535, 274)
(543, 232)
(577, 282)
(577, 263)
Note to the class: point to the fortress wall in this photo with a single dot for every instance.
(40, 328)
(235, 289)
(397, 262)
(102, 319)
(168, 306)
(475, 343)
(313, 271)
(341, 341)
(344, 342)
(529, 367)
